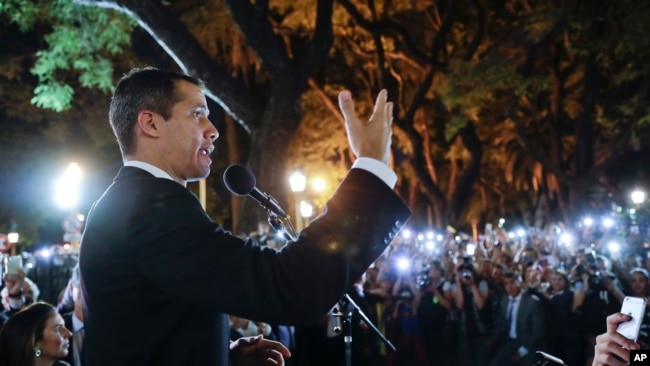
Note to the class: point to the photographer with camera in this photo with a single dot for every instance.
(596, 295)
(433, 309)
(471, 294)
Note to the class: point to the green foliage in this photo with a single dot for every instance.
(81, 43)
(20, 12)
(53, 95)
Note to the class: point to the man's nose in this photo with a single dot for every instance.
(212, 133)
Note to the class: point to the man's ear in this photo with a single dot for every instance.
(148, 123)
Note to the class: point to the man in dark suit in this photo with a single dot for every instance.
(519, 327)
(158, 275)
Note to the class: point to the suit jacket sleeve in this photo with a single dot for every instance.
(185, 254)
(534, 330)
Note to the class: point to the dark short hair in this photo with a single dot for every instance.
(143, 88)
(438, 265)
(20, 333)
(512, 274)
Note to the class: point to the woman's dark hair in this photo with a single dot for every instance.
(20, 333)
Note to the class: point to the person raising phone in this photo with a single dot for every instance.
(612, 348)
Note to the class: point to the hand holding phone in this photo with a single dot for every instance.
(635, 308)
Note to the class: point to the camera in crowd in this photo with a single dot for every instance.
(423, 279)
(595, 275)
(466, 274)
(466, 268)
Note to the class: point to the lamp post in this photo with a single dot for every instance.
(67, 195)
(306, 210)
(298, 181)
(638, 197)
(67, 187)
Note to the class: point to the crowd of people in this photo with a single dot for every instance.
(445, 300)
(38, 333)
(448, 299)
(157, 277)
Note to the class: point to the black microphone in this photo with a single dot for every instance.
(241, 182)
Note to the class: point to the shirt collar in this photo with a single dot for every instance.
(77, 324)
(153, 170)
(518, 297)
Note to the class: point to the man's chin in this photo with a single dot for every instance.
(199, 176)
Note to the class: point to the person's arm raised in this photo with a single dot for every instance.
(370, 139)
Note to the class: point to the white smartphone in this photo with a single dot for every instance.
(634, 307)
(13, 264)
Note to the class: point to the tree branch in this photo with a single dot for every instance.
(254, 24)
(180, 44)
(530, 149)
(326, 99)
(470, 173)
(319, 46)
(480, 31)
(536, 50)
(389, 27)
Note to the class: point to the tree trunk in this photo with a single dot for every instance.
(268, 150)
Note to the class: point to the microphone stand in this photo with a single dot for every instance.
(347, 309)
(281, 224)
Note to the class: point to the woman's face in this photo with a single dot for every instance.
(435, 273)
(639, 284)
(558, 282)
(532, 274)
(486, 269)
(54, 343)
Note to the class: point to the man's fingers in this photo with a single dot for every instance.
(346, 104)
(388, 111)
(380, 105)
(279, 348)
(620, 341)
(274, 357)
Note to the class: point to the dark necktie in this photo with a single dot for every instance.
(511, 307)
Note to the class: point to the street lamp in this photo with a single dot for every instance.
(319, 185)
(638, 197)
(67, 187)
(306, 210)
(67, 195)
(13, 240)
(298, 181)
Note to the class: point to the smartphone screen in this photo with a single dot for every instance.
(634, 307)
(13, 263)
